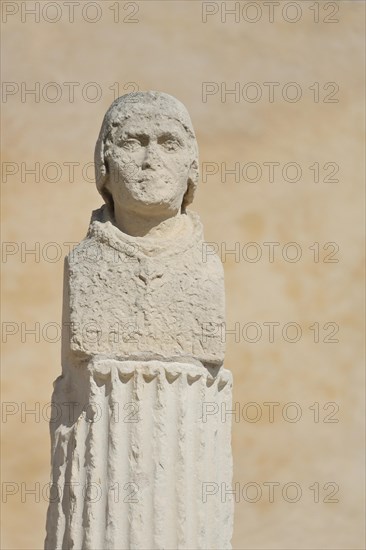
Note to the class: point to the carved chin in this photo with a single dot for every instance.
(156, 193)
(162, 200)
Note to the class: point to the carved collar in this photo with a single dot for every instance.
(103, 229)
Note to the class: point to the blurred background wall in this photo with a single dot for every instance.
(275, 92)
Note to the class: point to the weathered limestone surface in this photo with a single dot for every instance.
(132, 446)
(131, 296)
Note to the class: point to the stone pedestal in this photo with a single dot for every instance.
(133, 454)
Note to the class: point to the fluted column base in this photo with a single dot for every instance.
(135, 445)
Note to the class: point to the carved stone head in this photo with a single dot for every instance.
(146, 156)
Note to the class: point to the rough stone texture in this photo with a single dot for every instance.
(134, 453)
(135, 297)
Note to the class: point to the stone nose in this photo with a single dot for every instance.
(151, 158)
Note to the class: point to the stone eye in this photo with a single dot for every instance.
(130, 144)
(171, 144)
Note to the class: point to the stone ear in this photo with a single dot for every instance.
(104, 184)
(191, 185)
(194, 173)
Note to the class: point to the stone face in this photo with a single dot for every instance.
(143, 351)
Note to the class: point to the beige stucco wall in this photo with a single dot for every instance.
(171, 49)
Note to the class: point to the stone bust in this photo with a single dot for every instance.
(139, 287)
